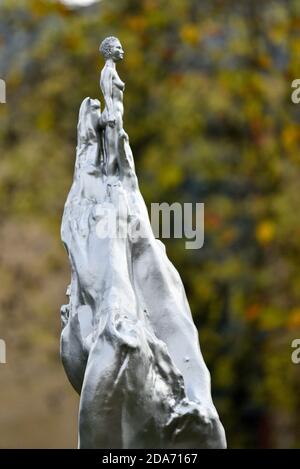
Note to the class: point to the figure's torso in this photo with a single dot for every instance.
(117, 93)
(117, 88)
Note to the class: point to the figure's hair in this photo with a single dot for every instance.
(106, 45)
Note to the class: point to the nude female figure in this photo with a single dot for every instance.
(112, 88)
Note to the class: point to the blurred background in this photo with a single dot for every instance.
(208, 109)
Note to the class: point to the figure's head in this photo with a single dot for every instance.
(111, 48)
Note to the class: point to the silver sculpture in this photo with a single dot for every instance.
(128, 344)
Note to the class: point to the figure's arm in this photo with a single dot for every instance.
(106, 88)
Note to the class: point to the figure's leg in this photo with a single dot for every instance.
(111, 138)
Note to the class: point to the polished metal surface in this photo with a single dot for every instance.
(128, 344)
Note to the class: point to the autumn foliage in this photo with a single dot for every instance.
(209, 112)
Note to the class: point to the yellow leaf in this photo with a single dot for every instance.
(265, 232)
(294, 318)
(290, 136)
(189, 33)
